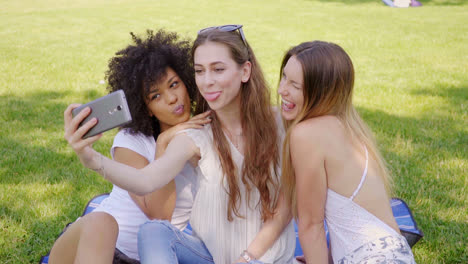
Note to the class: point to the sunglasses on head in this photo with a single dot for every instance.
(227, 28)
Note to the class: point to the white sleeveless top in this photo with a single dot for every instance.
(226, 240)
(351, 226)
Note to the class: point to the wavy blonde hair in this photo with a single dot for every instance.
(261, 157)
(328, 88)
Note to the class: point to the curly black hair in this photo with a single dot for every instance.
(140, 65)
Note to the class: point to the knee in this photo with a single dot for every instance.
(154, 231)
(101, 222)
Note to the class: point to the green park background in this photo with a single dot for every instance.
(411, 88)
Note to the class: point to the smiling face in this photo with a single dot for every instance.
(219, 78)
(291, 89)
(169, 101)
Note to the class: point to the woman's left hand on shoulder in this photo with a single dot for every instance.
(195, 122)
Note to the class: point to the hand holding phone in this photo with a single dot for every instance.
(111, 111)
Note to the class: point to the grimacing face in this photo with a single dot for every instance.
(168, 100)
(218, 77)
(291, 89)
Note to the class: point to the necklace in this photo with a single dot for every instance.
(234, 138)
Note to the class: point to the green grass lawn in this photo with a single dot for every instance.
(411, 87)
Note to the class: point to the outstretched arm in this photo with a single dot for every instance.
(160, 204)
(156, 175)
(156, 205)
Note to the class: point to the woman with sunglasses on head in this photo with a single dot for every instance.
(332, 168)
(157, 78)
(238, 214)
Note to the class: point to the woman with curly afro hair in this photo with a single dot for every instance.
(158, 81)
(239, 214)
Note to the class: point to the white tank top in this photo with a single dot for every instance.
(349, 225)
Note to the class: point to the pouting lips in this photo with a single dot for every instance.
(179, 110)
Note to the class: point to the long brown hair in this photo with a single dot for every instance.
(261, 157)
(328, 88)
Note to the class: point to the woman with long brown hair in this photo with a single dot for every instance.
(332, 168)
(238, 214)
(156, 75)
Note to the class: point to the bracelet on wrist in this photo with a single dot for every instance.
(247, 256)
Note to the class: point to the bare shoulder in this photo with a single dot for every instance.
(317, 130)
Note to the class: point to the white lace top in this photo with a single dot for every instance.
(349, 225)
(226, 240)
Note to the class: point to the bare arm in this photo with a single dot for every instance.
(156, 175)
(307, 155)
(270, 231)
(160, 204)
(156, 205)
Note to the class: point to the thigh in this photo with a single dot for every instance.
(67, 247)
(161, 242)
(64, 248)
(190, 249)
(389, 249)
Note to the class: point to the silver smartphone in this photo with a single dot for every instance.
(110, 110)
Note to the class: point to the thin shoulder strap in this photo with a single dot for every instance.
(364, 174)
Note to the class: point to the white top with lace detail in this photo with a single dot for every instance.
(227, 240)
(349, 225)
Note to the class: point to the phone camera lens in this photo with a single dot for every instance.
(119, 107)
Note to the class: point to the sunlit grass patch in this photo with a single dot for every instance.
(411, 88)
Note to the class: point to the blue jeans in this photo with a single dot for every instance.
(161, 242)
